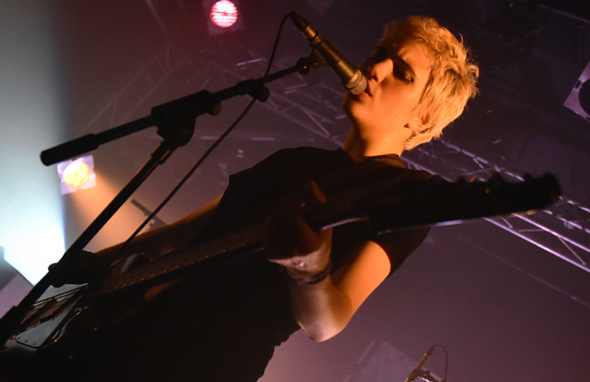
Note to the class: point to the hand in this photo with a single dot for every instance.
(292, 243)
(81, 269)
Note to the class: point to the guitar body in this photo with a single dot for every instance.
(63, 329)
(116, 336)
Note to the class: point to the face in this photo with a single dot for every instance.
(396, 78)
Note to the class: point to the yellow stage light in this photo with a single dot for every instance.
(76, 174)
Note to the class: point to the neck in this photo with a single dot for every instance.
(360, 148)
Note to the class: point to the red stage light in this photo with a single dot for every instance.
(224, 13)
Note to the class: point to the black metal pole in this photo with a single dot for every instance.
(188, 107)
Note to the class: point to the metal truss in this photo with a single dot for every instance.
(562, 229)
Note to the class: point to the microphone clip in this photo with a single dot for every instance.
(425, 376)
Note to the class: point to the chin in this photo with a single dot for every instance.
(351, 106)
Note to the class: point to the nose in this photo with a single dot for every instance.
(379, 70)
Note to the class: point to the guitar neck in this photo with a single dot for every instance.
(226, 248)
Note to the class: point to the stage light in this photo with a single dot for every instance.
(76, 174)
(578, 100)
(223, 16)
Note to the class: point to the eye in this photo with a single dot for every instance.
(402, 73)
(401, 70)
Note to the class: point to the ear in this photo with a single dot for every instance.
(418, 123)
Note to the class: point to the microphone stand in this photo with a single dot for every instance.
(175, 121)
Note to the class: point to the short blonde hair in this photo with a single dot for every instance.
(453, 75)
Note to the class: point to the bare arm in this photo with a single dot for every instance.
(171, 237)
(322, 306)
(323, 309)
(85, 265)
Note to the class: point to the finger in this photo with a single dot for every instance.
(315, 192)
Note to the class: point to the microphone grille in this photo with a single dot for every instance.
(357, 84)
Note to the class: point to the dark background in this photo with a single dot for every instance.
(508, 298)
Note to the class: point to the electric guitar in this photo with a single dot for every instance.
(379, 196)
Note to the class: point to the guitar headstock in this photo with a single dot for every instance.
(394, 198)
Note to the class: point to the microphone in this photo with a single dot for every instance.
(352, 78)
(416, 372)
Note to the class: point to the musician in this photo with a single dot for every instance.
(223, 322)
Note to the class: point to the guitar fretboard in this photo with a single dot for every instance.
(246, 241)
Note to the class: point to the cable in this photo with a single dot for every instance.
(446, 362)
(209, 151)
